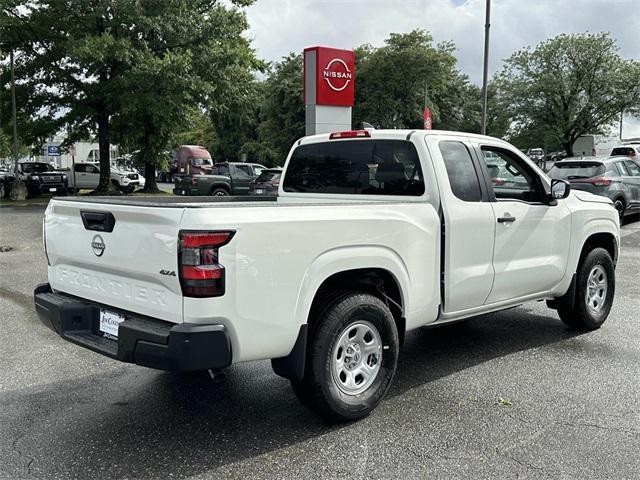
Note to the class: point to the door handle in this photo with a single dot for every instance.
(506, 219)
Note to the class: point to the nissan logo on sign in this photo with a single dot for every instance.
(337, 75)
(331, 76)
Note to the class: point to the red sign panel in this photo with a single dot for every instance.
(334, 76)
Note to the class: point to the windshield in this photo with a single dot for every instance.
(36, 167)
(365, 167)
(571, 171)
(200, 161)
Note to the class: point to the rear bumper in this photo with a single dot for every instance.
(141, 340)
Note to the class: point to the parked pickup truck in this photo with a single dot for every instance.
(228, 178)
(373, 234)
(87, 176)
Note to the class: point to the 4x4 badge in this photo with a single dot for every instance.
(169, 273)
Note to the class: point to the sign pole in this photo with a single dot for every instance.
(13, 114)
(487, 24)
(73, 169)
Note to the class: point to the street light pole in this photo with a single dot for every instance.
(487, 24)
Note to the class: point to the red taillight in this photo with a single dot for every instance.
(349, 134)
(200, 273)
(194, 181)
(498, 181)
(600, 182)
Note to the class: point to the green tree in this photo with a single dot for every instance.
(568, 86)
(127, 71)
(390, 81)
(281, 109)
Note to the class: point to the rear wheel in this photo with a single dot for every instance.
(219, 192)
(620, 206)
(351, 357)
(595, 289)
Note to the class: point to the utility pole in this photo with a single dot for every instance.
(13, 113)
(487, 24)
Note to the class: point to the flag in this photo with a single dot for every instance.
(426, 116)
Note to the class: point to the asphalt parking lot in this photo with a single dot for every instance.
(570, 405)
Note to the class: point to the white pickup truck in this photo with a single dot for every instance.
(373, 234)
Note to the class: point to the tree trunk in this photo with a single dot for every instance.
(150, 185)
(568, 146)
(104, 186)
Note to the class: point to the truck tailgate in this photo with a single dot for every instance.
(133, 267)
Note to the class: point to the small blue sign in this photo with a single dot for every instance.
(53, 150)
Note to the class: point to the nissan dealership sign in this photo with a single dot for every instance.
(329, 76)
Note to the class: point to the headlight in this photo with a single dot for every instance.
(35, 177)
(64, 177)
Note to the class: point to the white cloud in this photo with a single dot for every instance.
(278, 27)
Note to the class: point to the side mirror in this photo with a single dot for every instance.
(559, 189)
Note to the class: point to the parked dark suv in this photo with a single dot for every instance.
(615, 177)
(41, 178)
(266, 183)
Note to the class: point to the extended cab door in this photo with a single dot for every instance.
(85, 176)
(532, 235)
(469, 223)
(241, 176)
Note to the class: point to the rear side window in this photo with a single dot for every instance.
(462, 174)
(634, 170)
(623, 151)
(573, 171)
(358, 167)
(621, 169)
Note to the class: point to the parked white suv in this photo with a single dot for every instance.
(87, 176)
(373, 234)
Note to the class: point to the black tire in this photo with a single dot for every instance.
(322, 389)
(116, 185)
(582, 316)
(621, 207)
(219, 192)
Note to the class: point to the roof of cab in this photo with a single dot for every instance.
(403, 134)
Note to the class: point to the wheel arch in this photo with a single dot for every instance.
(379, 271)
(223, 186)
(605, 240)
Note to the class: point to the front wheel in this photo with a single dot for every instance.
(618, 203)
(351, 357)
(595, 289)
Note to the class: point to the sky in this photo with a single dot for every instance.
(278, 27)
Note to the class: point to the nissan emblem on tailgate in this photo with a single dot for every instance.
(97, 244)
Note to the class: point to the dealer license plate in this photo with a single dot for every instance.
(259, 191)
(109, 322)
(53, 189)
